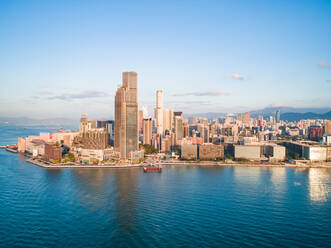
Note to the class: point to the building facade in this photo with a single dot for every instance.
(53, 152)
(126, 115)
(147, 131)
(277, 117)
(211, 151)
(189, 151)
(315, 132)
(178, 126)
(159, 112)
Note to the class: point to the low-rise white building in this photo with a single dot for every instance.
(261, 151)
(90, 156)
(251, 152)
(327, 139)
(134, 155)
(37, 147)
(316, 153)
(275, 152)
(95, 156)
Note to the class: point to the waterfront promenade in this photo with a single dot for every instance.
(173, 163)
(50, 165)
(78, 165)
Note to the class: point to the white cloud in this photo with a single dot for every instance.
(236, 76)
(324, 65)
(204, 93)
(79, 95)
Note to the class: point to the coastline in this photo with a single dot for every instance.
(77, 165)
(174, 163)
(181, 163)
(50, 165)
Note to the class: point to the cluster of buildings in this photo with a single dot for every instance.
(101, 141)
(235, 136)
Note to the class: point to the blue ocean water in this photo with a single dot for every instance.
(181, 207)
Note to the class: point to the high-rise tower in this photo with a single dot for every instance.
(159, 112)
(277, 116)
(126, 115)
(178, 125)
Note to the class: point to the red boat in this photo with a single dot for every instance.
(152, 168)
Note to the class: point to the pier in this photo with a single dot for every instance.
(45, 164)
(11, 150)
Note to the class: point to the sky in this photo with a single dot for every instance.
(64, 58)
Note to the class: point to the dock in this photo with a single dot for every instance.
(78, 165)
(11, 150)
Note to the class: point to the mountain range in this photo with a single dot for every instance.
(302, 116)
(287, 114)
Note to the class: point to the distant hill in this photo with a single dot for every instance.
(24, 121)
(209, 115)
(266, 112)
(302, 116)
(271, 111)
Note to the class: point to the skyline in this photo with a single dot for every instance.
(60, 59)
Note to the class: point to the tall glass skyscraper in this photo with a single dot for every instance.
(278, 116)
(159, 111)
(126, 115)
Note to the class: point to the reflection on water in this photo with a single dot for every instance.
(98, 184)
(92, 179)
(318, 184)
(247, 174)
(278, 179)
(127, 197)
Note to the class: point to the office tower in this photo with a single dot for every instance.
(260, 120)
(86, 125)
(185, 130)
(159, 112)
(83, 124)
(145, 112)
(327, 129)
(239, 117)
(178, 125)
(107, 125)
(246, 118)
(277, 116)
(168, 119)
(315, 132)
(126, 115)
(140, 121)
(204, 132)
(147, 131)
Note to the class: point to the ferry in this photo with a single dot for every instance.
(153, 168)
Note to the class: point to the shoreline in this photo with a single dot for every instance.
(73, 165)
(49, 165)
(179, 163)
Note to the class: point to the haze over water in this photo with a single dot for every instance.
(181, 207)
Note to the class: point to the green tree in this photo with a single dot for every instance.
(149, 149)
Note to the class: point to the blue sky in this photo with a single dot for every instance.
(64, 58)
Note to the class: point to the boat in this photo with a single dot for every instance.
(153, 168)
